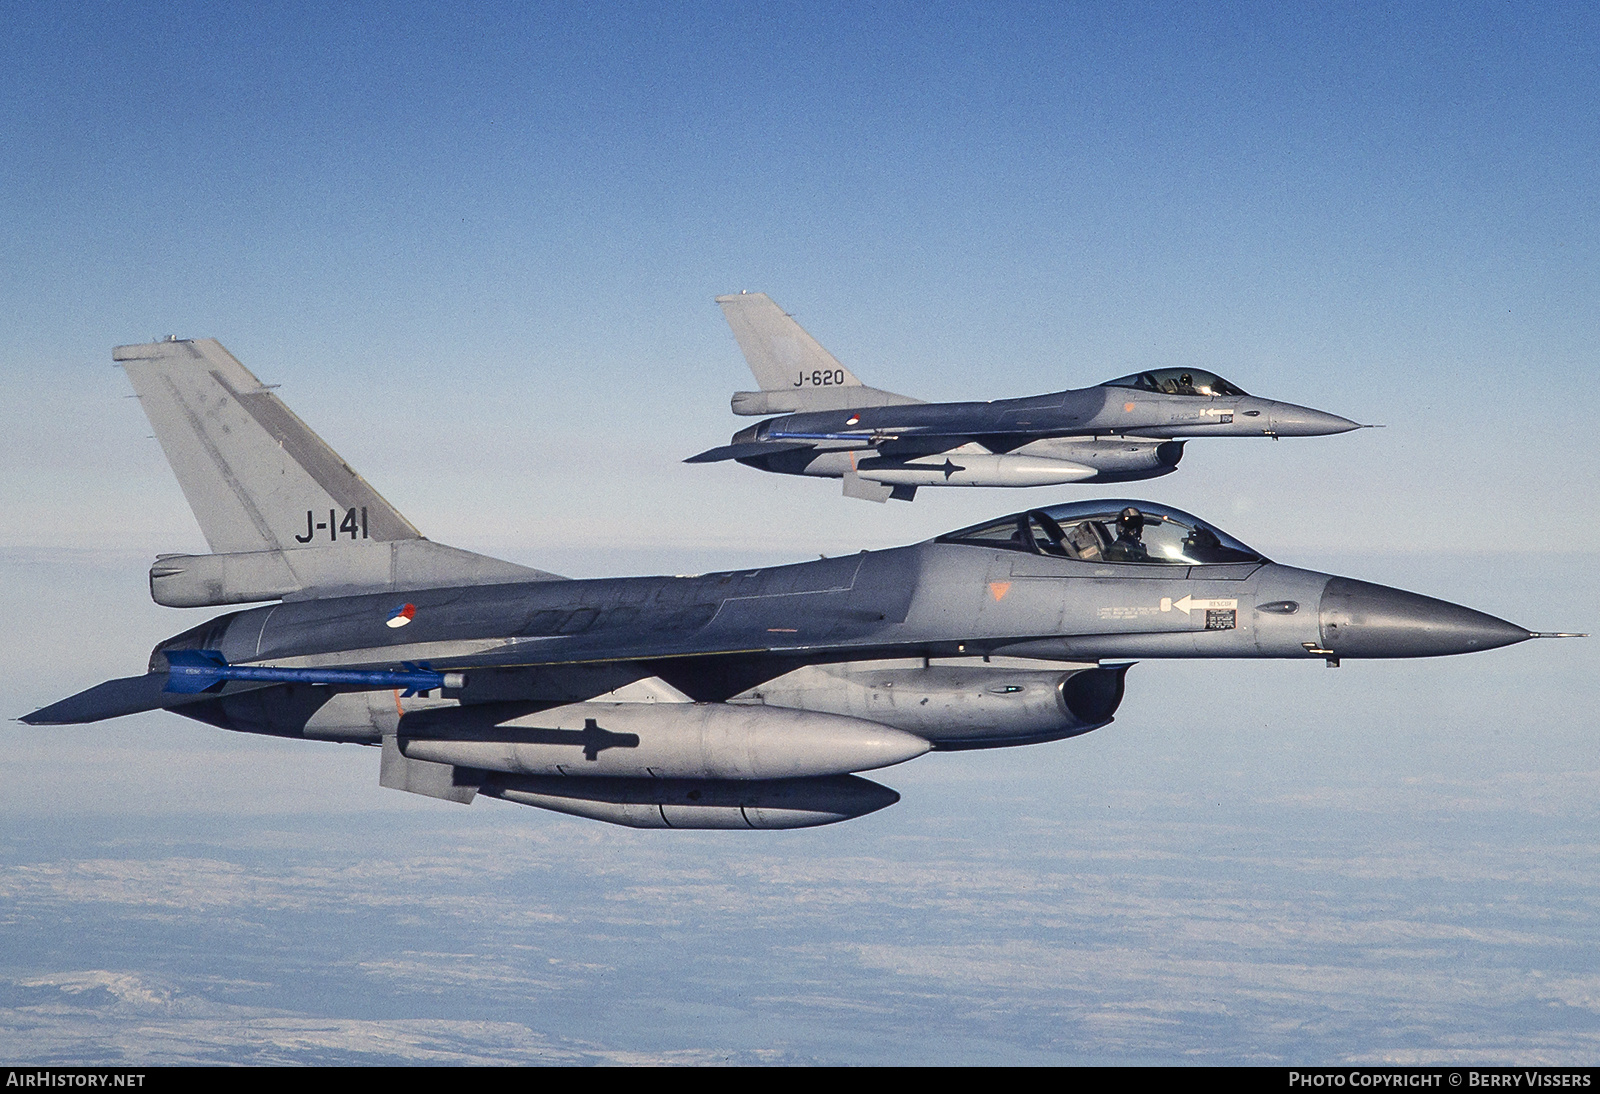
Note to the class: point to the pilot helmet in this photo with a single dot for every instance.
(1130, 522)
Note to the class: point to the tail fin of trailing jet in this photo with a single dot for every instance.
(794, 371)
(250, 468)
(283, 514)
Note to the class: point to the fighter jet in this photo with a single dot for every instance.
(742, 699)
(885, 445)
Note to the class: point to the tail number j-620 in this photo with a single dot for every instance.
(354, 525)
(822, 377)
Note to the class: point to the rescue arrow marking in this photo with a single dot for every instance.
(999, 589)
(1189, 604)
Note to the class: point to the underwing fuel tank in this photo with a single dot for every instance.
(653, 741)
(699, 803)
(958, 469)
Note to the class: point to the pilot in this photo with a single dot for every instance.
(1129, 545)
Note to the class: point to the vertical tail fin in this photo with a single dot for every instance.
(794, 371)
(284, 515)
(781, 354)
(256, 477)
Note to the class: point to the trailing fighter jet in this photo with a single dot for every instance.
(885, 445)
(745, 699)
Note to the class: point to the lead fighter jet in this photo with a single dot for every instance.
(885, 445)
(746, 699)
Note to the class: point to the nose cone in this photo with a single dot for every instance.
(1360, 619)
(1288, 420)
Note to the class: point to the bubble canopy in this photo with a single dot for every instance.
(1110, 530)
(1178, 381)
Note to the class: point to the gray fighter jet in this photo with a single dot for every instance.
(885, 445)
(745, 699)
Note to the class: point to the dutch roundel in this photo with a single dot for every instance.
(401, 615)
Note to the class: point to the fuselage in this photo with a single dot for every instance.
(1108, 433)
(1071, 413)
(944, 598)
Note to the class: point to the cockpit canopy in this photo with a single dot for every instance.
(1178, 381)
(1110, 531)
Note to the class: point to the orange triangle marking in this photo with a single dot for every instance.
(999, 589)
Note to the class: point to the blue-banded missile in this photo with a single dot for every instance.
(193, 671)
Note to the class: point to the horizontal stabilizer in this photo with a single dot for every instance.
(112, 699)
(742, 451)
(115, 698)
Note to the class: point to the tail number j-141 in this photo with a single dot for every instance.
(354, 525)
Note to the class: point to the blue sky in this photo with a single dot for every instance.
(478, 251)
(503, 230)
